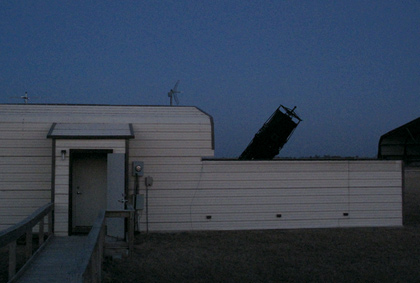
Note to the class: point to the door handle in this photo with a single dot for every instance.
(78, 191)
(123, 200)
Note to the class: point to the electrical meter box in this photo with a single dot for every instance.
(148, 181)
(138, 168)
(139, 202)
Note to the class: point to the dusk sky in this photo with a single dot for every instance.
(352, 68)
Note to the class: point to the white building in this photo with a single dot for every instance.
(81, 158)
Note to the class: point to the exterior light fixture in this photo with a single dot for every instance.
(63, 155)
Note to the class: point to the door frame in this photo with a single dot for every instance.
(72, 153)
(60, 168)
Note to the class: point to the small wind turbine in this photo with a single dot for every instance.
(24, 97)
(173, 94)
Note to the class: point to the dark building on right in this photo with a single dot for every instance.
(402, 143)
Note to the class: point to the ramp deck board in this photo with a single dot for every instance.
(57, 262)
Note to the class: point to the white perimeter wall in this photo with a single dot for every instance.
(278, 195)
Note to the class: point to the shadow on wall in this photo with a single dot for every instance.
(411, 207)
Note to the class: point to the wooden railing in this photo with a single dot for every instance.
(11, 235)
(91, 266)
(129, 243)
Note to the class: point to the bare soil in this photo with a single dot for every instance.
(313, 255)
(306, 255)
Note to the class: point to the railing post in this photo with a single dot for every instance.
(94, 264)
(12, 259)
(41, 232)
(90, 269)
(28, 252)
(10, 236)
(130, 234)
(98, 264)
(101, 245)
(50, 224)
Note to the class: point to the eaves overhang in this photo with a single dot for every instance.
(90, 131)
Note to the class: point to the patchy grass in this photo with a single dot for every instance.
(323, 255)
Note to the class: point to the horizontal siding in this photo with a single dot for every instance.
(238, 193)
(27, 135)
(176, 136)
(167, 183)
(276, 166)
(222, 201)
(270, 208)
(102, 114)
(274, 224)
(24, 203)
(252, 194)
(25, 169)
(11, 195)
(88, 144)
(163, 152)
(159, 163)
(175, 144)
(267, 216)
(34, 168)
(168, 140)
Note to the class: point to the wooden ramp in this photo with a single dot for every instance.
(58, 262)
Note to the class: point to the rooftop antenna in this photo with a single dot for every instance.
(173, 94)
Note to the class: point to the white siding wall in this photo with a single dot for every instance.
(171, 142)
(253, 194)
(166, 137)
(172, 156)
(25, 169)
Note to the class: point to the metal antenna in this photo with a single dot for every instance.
(173, 94)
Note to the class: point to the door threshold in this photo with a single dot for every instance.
(81, 230)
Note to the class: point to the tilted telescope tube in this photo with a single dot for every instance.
(273, 135)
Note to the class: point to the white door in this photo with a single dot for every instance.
(89, 189)
(115, 193)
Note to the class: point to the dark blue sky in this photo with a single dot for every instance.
(352, 68)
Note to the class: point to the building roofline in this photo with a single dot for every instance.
(83, 104)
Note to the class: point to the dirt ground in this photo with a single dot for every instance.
(308, 255)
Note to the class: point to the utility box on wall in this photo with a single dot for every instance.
(138, 168)
(139, 202)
